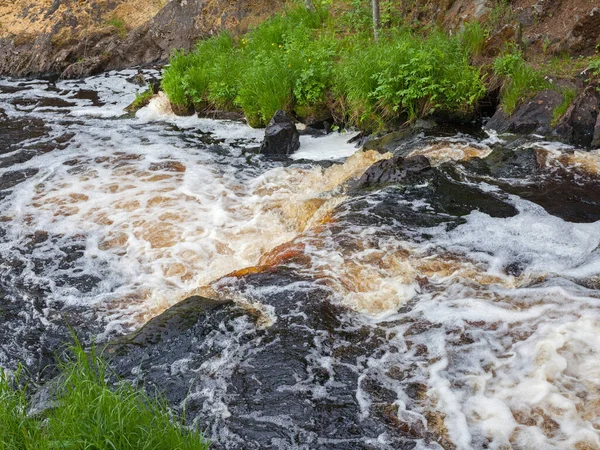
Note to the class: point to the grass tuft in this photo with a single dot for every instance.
(521, 82)
(569, 95)
(118, 25)
(89, 413)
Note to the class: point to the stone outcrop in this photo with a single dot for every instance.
(75, 39)
(533, 117)
(578, 125)
(281, 135)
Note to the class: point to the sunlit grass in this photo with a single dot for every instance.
(298, 61)
(89, 413)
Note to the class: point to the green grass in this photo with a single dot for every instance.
(118, 25)
(474, 36)
(406, 76)
(568, 96)
(141, 99)
(299, 61)
(89, 413)
(565, 66)
(521, 82)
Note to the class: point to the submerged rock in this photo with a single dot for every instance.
(572, 196)
(448, 198)
(169, 324)
(281, 135)
(253, 387)
(393, 170)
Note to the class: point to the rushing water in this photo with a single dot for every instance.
(458, 308)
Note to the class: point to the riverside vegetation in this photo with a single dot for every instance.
(86, 412)
(302, 61)
(313, 64)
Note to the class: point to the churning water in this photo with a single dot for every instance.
(457, 308)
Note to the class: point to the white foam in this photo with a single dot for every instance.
(330, 147)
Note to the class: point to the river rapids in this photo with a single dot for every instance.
(305, 303)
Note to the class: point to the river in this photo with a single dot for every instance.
(456, 307)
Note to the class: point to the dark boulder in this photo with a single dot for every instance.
(210, 358)
(413, 179)
(400, 142)
(574, 196)
(393, 170)
(578, 124)
(281, 135)
(318, 123)
(505, 162)
(171, 323)
(533, 117)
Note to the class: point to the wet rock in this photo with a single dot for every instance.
(223, 115)
(416, 195)
(574, 197)
(569, 196)
(596, 140)
(281, 135)
(504, 162)
(578, 125)
(216, 358)
(533, 117)
(11, 179)
(393, 170)
(317, 125)
(391, 142)
(169, 325)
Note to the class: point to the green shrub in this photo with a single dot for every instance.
(409, 76)
(266, 87)
(521, 82)
(173, 81)
(90, 414)
(295, 60)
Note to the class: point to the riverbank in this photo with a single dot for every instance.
(316, 66)
(351, 82)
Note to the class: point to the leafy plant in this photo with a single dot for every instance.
(298, 61)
